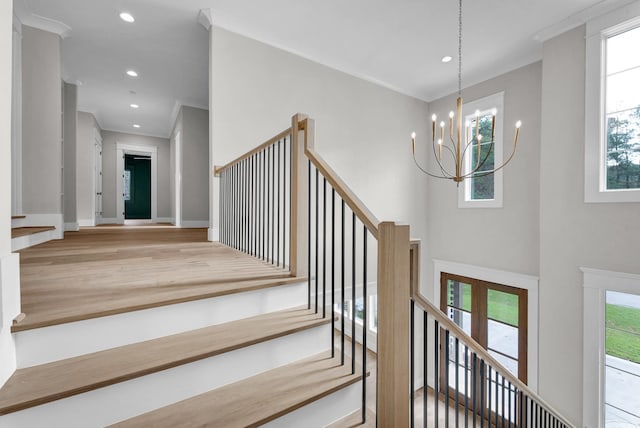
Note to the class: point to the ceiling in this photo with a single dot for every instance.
(397, 44)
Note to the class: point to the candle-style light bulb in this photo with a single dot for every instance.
(439, 149)
(433, 127)
(518, 124)
(477, 122)
(413, 142)
(494, 112)
(442, 130)
(451, 123)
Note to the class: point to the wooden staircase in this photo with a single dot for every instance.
(24, 235)
(236, 351)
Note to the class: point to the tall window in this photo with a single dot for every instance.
(622, 110)
(612, 108)
(482, 191)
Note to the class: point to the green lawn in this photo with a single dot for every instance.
(502, 306)
(623, 332)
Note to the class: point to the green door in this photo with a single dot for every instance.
(137, 187)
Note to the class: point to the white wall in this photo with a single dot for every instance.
(109, 140)
(499, 238)
(362, 130)
(9, 268)
(70, 127)
(85, 174)
(572, 233)
(195, 166)
(41, 122)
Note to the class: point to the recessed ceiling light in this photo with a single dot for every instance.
(127, 17)
(134, 105)
(132, 73)
(135, 125)
(446, 59)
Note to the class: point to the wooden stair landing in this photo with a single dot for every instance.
(256, 400)
(17, 232)
(48, 382)
(106, 271)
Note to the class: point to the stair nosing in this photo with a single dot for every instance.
(260, 285)
(314, 320)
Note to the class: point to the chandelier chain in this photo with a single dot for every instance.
(459, 48)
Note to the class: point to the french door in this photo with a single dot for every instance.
(495, 315)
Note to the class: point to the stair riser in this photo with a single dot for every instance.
(322, 412)
(31, 240)
(47, 344)
(114, 403)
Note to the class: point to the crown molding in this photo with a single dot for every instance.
(205, 18)
(30, 19)
(580, 18)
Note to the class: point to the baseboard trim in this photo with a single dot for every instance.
(213, 234)
(194, 224)
(86, 222)
(55, 220)
(71, 227)
(9, 309)
(110, 221)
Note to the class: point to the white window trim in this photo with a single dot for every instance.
(513, 279)
(598, 30)
(468, 109)
(596, 283)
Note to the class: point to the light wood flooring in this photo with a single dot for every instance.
(104, 271)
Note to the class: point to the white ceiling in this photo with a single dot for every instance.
(397, 44)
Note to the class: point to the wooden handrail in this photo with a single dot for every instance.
(474, 346)
(347, 195)
(220, 169)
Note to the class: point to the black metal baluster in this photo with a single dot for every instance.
(309, 234)
(446, 378)
(353, 293)
(503, 402)
(273, 185)
(291, 194)
(489, 393)
(411, 363)
(324, 247)
(457, 379)
(333, 270)
(436, 370)
(286, 219)
(251, 209)
(365, 321)
(342, 306)
(262, 205)
(316, 240)
(482, 391)
(474, 386)
(466, 386)
(278, 211)
(425, 353)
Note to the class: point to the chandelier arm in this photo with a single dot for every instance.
(427, 172)
(436, 157)
(513, 152)
(474, 172)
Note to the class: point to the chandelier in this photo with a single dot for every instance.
(460, 147)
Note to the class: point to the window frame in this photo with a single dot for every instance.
(598, 31)
(485, 104)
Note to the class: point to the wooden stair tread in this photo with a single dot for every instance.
(256, 400)
(18, 217)
(17, 232)
(37, 385)
(144, 298)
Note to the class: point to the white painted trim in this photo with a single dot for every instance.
(56, 220)
(46, 24)
(9, 309)
(177, 182)
(71, 227)
(595, 133)
(194, 224)
(110, 220)
(86, 222)
(596, 283)
(577, 19)
(205, 18)
(97, 145)
(213, 234)
(468, 109)
(27, 241)
(513, 279)
(16, 119)
(165, 220)
(130, 149)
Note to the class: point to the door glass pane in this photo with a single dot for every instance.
(622, 371)
(502, 327)
(459, 310)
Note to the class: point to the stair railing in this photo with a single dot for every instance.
(474, 387)
(283, 203)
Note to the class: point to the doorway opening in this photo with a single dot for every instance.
(137, 187)
(137, 183)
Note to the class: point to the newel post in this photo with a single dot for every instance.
(299, 194)
(393, 325)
